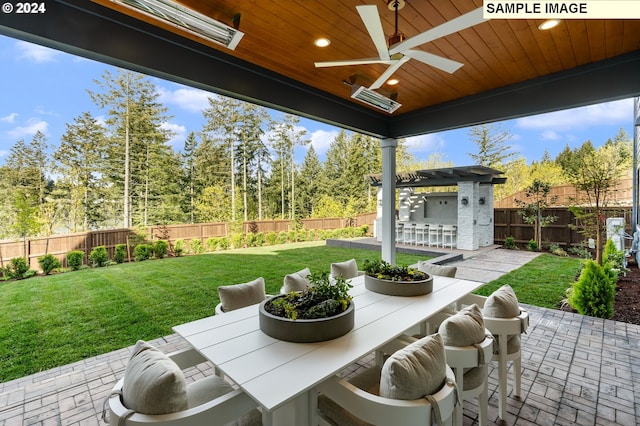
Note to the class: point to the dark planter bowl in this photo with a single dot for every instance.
(306, 330)
(399, 288)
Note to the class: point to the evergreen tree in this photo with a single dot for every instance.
(493, 145)
(77, 161)
(310, 172)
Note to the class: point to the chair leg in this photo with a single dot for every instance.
(483, 400)
(502, 380)
(516, 375)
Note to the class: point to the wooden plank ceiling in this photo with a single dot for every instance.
(279, 35)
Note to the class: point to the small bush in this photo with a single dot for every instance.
(99, 256)
(532, 245)
(18, 268)
(224, 243)
(237, 240)
(195, 246)
(211, 244)
(179, 247)
(250, 239)
(48, 263)
(74, 259)
(259, 239)
(557, 250)
(612, 257)
(510, 243)
(120, 253)
(272, 238)
(160, 248)
(594, 292)
(282, 237)
(580, 251)
(142, 252)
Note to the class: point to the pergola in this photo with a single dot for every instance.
(510, 67)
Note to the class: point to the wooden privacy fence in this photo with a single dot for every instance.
(60, 245)
(508, 223)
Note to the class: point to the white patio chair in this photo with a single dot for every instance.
(422, 234)
(409, 233)
(238, 296)
(154, 391)
(449, 236)
(348, 269)
(435, 235)
(506, 320)
(365, 398)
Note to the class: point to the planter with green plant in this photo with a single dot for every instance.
(324, 311)
(395, 280)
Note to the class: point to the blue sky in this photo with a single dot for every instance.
(44, 89)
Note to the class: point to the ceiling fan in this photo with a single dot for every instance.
(400, 50)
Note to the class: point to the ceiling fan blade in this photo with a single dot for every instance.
(388, 73)
(458, 24)
(434, 60)
(365, 61)
(371, 19)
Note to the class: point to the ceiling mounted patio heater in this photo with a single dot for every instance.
(187, 19)
(373, 98)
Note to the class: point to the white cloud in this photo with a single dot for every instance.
(617, 112)
(29, 129)
(179, 134)
(9, 118)
(321, 140)
(550, 135)
(186, 98)
(430, 143)
(35, 53)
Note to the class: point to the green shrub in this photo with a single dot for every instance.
(18, 268)
(237, 240)
(250, 239)
(282, 237)
(612, 257)
(48, 263)
(160, 248)
(195, 246)
(302, 235)
(259, 239)
(179, 247)
(594, 292)
(510, 243)
(532, 245)
(120, 253)
(557, 250)
(99, 256)
(271, 238)
(224, 243)
(142, 252)
(580, 251)
(74, 259)
(211, 244)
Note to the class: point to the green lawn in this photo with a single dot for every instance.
(55, 320)
(541, 282)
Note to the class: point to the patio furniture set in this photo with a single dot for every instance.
(426, 234)
(418, 378)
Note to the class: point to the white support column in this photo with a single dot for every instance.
(389, 199)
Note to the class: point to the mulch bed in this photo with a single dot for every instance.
(627, 302)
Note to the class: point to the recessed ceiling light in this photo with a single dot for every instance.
(322, 42)
(548, 24)
(393, 81)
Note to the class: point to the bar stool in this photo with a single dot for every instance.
(399, 232)
(435, 235)
(409, 234)
(422, 233)
(449, 236)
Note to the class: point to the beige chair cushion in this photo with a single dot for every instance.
(297, 281)
(440, 270)
(414, 371)
(240, 295)
(502, 303)
(465, 328)
(348, 269)
(212, 387)
(153, 383)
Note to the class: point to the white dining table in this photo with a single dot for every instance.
(280, 376)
